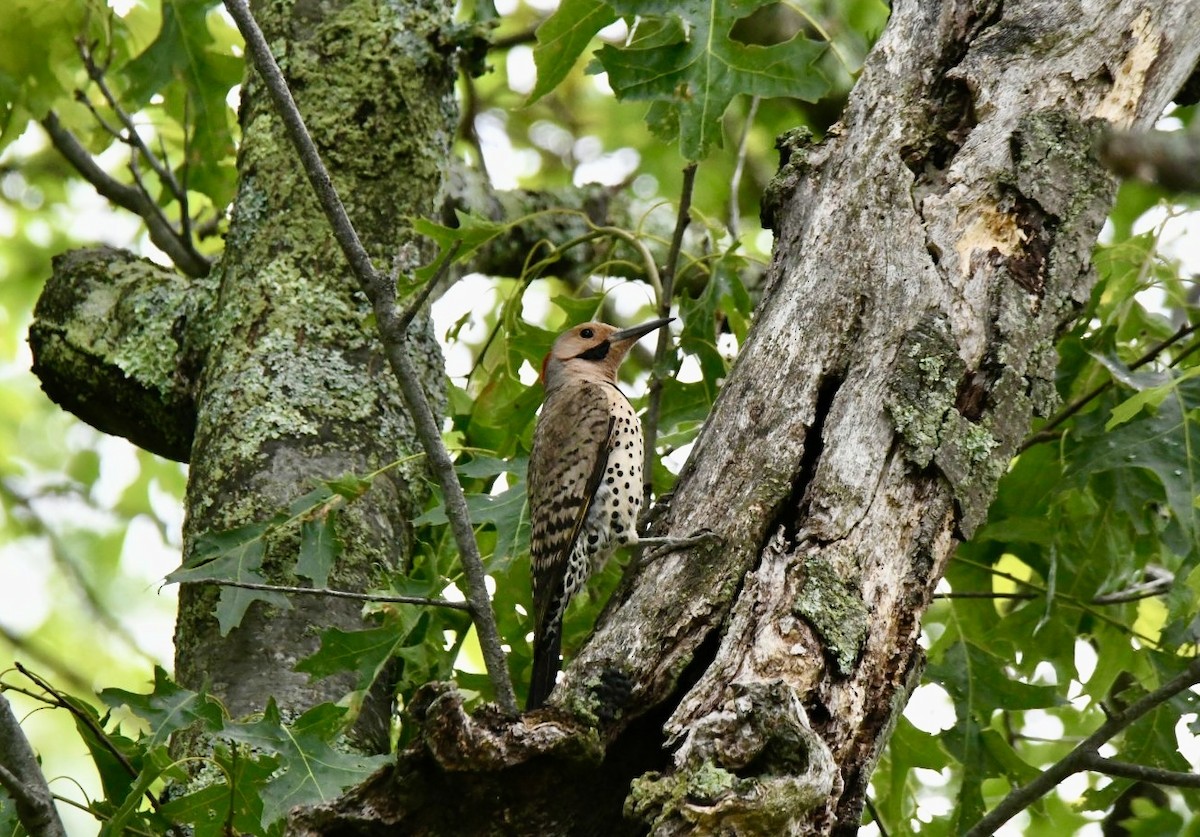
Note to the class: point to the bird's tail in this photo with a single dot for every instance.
(546, 650)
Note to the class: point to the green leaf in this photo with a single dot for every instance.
(349, 486)
(38, 60)
(976, 681)
(127, 817)
(310, 770)
(319, 548)
(236, 555)
(115, 778)
(10, 824)
(237, 800)
(362, 652)
(1150, 396)
(562, 37)
(185, 52)
(692, 65)
(457, 243)
(1166, 444)
(167, 709)
(506, 512)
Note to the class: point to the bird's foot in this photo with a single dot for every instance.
(665, 546)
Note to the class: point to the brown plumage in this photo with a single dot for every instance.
(585, 479)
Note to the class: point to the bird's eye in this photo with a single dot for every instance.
(587, 334)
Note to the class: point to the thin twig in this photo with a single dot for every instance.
(1079, 758)
(342, 594)
(735, 179)
(1160, 582)
(382, 294)
(1140, 772)
(161, 232)
(876, 818)
(525, 36)
(90, 722)
(1067, 599)
(406, 316)
(1085, 399)
(980, 594)
(131, 137)
(185, 214)
(654, 402)
(21, 776)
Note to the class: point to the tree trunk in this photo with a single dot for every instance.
(268, 374)
(295, 387)
(929, 251)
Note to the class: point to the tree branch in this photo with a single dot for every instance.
(88, 721)
(131, 137)
(382, 294)
(1086, 754)
(739, 164)
(1141, 772)
(22, 778)
(342, 594)
(131, 198)
(1170, 159)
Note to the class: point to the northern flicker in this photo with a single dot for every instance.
(585, 478)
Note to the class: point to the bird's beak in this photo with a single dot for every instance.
(635, 332)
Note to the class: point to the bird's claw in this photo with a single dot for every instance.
(665, 546)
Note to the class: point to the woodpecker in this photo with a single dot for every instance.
(585, 478)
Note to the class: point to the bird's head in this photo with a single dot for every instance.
(592, 352)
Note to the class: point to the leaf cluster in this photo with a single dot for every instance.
(257, 771)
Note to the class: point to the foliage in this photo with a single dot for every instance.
(1086, 572)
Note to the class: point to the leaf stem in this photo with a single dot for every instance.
(382, 294)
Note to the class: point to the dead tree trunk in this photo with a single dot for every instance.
(929, 251)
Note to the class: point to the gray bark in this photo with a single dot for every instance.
(928, 253)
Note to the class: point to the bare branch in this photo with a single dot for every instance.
(984, 594)
(1084, 755)
(22, 778)
(342, 594)
(735, 179)
(1158, 581)
(422, 296)
(1170, 159)
(57, 699)
(162, 233)
(1141, 772)
(130, 137)
(393, 334)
